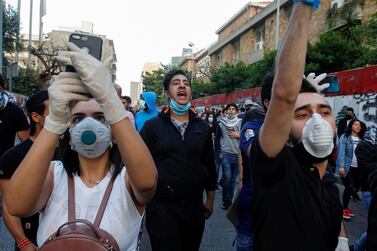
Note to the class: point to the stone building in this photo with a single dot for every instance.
(252, 31)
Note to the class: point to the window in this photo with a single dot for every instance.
(236, 51)
(259, 32)
(219, 58)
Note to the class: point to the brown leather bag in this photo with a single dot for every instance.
(80, 234)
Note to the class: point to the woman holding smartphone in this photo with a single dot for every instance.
(89, 157)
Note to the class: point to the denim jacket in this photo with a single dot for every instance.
(345, 153)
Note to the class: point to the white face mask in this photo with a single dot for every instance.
(210, 120)
(318, 136)
(142, 104)
(90, 138)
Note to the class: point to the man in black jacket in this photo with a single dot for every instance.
(343, 123)
(366, 153)
(181, 146)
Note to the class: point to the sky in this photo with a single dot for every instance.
(142, 30)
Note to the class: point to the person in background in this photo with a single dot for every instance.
(148, 109)
(126, 100)
(366, 154)
(248, 104)
(24, 230)
(347, 165)
(129, 114)
(12, 120)
(204, 116)
(343, 123)
(228, 133)
(181, 146)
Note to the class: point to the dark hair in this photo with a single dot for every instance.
(127, 98)
(348, 130)
(2, 84)
(268, 81)
(35, 104)
(70, 158)
(231, 104)
(170, 75)
(350, 109)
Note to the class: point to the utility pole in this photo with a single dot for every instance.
(1, 37)
(30, 31)
(277, 24)
(18, 30)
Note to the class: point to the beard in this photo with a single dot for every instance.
(302, 154)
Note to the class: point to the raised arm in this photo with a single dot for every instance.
(290, 65)
(95, 76)
(32, 182)
(138, 160)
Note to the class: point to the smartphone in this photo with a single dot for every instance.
(92, 44)
(334, 84)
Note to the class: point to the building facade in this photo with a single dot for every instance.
(135, 91)
(252, 31)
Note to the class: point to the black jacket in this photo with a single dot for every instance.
(372, 214)
(185, 164)
(366, 154)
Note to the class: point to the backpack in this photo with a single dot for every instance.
(80, 234)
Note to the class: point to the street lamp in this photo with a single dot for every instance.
(191, 44)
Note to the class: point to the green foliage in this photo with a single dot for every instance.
(333, 53)
(202, 89)
(10, 28)
(26, 83)
(354, 46)
(232, 77)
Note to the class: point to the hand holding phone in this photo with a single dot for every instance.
(91, 44)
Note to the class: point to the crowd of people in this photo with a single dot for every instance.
(87, 157)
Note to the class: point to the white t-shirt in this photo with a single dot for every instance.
(121, 218)
(356, 141)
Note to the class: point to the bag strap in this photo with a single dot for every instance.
(104, 201)
(102, 207)
(71, 199)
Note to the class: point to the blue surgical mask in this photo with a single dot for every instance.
(178, 109)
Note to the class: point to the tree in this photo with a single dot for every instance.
(202, 89)
(26, 83)
(333, 53)
(10, 28)
(51, 66)
(231, 77)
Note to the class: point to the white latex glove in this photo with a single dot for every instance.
(314, 81)
(97, 79)
(67, 87)
(342, 244)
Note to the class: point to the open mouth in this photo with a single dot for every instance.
(182, 94)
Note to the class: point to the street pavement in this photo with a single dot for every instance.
(219, 233)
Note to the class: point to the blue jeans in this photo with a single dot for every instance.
(217, 163)
(244, 242)
(230, 173)
(361, 243)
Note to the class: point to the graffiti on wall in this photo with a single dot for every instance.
(364, 105)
